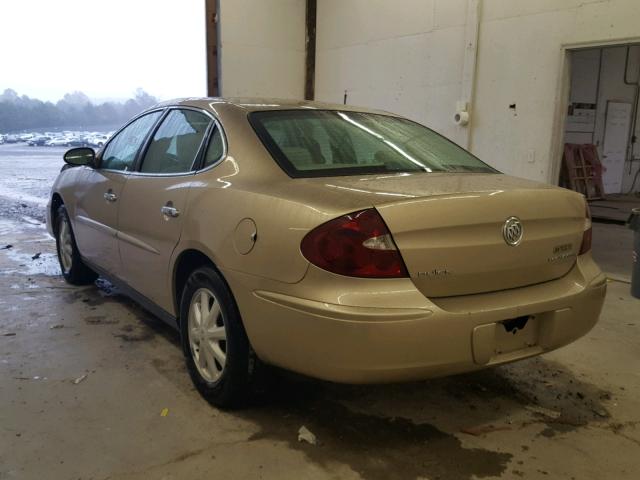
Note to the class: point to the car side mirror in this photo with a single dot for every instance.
(80, 156)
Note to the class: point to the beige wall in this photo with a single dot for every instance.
(404, 56)
(407, 56)
(520, 60)
(262, 48)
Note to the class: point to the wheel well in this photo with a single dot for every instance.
(56, 201)
(188, 261)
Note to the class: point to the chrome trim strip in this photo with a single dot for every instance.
(343, 313)
(146, 174)
(136, 242)
(225, 151)
(96, 225)
(120, 172)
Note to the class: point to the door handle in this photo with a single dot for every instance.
(170, 211)
(110, 196)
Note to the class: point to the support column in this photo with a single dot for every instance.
(211, 15)
(310, 61)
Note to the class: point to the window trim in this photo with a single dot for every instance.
(217, 125)
(138, 165)
(202, 149)
(135, 158)
(196, 166)
(285, 165)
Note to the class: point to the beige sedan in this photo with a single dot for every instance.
(341, 243)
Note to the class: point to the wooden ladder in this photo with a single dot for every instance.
(582, 170)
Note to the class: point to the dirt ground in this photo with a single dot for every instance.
(93, 387)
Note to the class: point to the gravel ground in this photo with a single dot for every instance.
(26, 176)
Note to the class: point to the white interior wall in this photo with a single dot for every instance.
(522, 61)
(407, 56)
(404, 56)
(262, 48)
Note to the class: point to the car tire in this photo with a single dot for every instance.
(218, 354)
(74, 270)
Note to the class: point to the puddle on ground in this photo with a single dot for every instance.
(173, 368)
(100, 320)
(146, 325)
(389, 432)
(551, 385)
(376, 447)
(131, 333)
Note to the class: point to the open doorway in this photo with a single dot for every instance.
(603, 111)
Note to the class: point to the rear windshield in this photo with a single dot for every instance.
(324, 143)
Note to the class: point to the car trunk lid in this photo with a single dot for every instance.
(454, 243)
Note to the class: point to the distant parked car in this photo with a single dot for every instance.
(59, 142)
(1, 139)
(25, 137)
(97, 140)
(11, 139)
(76, 142)
(38, 141)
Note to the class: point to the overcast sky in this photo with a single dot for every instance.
(104, 49)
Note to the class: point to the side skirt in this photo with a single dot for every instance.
(136, 296)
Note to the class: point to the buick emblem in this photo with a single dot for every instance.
(512, 231)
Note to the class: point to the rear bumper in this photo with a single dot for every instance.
(374, 334)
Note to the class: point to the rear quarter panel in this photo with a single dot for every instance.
(216, 208)
(248, 184)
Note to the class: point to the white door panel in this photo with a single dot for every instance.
(614, 149)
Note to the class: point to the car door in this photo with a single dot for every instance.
(96, 213)
(154, 202)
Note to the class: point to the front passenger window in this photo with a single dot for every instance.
(121, 151)
(176, 143)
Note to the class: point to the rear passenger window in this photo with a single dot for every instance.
(176, 142)
(215, 149)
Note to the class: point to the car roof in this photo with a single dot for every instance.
(252, 104)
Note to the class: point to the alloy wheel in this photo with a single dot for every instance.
(207, 334)
(65, 245)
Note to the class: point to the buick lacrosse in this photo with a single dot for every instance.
(345, 244)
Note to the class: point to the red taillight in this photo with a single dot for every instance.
(588, 233)
(357, 245)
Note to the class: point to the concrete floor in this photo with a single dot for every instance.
(574, 413)
(615, 208)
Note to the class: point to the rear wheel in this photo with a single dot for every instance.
(73, 268)
(215, 345)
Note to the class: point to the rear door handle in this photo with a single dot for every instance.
(170, 211)
(110, 196)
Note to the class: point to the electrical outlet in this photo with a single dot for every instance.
(530, 156)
